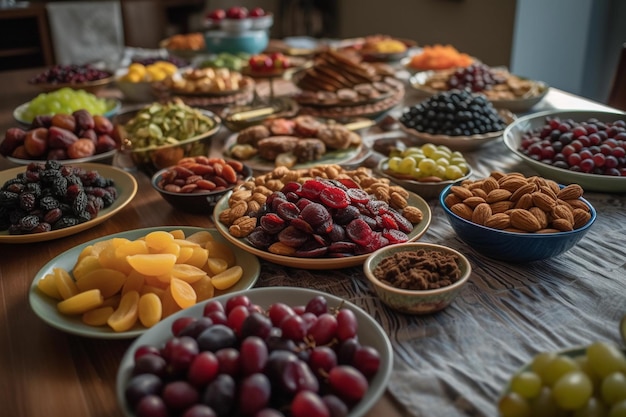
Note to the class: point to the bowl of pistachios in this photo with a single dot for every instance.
(158, 135)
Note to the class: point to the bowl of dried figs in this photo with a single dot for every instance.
(513, 218)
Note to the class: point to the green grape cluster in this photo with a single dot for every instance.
(558, 385)
(64, 100)
(428, 162)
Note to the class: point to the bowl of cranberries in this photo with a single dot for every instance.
(276, 351)
(583, 147)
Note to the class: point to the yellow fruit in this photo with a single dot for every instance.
(201, 238)
(199, 257)
(47, 286)
(159, 240)
(98, 316)
(81, 303)
(134, 282)
(217, 265)
(177, 234)
(204, 289)
(153, 263)
(85, 265)
(187, 273)
(150, 309)
(65, 284)
(183, 293)
(125, 316)
(108, 281)
(221, 250)
(228, 278)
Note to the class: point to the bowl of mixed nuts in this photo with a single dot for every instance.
(513, 218)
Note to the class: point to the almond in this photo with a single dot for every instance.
(280, 248)
(570, 192)
(540, 215)
(460, 192)
(525, 202)
(481, 213)
(462, 210)
(577, 204)
(543, 201)
(513, 182)
(498, 221)
(479, 192)
(498, 194)
(451, 200)
(501, 206)
(490, 184)
(239, 209)
(523, 190)
(413, 214)
(581, 217)
(525, 220)
(474, 201)
(554, 186)
(547, 190)
(562, 224)
(496, 175)
(563, 211)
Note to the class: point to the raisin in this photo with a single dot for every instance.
(41, 228)
(34, 188)
(311, 189)
(15, 188)
(16, 214)
(27, 201)
(358, 195)
(15, 229)
(259, 238)
(8, 199)
(291, 236)
(83, 216)
(395, 236)
(80, 203)
(359, 232)
(59, 186)
(53, 215)
(112, 190)
(73, 180)
(315, 214)
(14, 181)
(272, 223)
(287, 210)
(346, 215)
(107, 199)
(49, 176)
(72, 191)
(53, 165)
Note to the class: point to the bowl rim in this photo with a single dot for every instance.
(417, 182)
(444, 193)
(400, 247)
(248, 173)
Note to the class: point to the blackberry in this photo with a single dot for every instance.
(83, 216)
(107, 199)
(28, 201)
(59, 186)
(8, 199)
(64, 222)
(16, 214)
(51, 164)
(34, 188)
(49, 176)
(28, 222)
(112, 190)
(65, 208)
(73, 179)
(19, 180)
(99, 182)
(48, 203)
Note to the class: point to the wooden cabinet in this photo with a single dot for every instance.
(24, 38)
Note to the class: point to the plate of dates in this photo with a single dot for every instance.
(320, 250)
(125, 186)
(356, 385)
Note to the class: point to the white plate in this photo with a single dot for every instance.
(339, 157)
(125, 184)
(369, 333)
(316, 263)
(518, 105)
(590, 182)
(460, 143)
(45, 307)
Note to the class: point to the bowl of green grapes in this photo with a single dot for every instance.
(582, 381)
(425, 170)
(65, 100)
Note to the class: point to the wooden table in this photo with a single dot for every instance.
(45, 372)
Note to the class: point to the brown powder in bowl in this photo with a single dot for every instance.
(419, 270)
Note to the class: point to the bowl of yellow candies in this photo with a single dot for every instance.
(137, 82)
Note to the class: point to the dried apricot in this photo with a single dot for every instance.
(150, 309)
(126, 314)
(81, 302)
(153, 263)
(183, 293)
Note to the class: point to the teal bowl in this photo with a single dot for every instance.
(249, 41)
(510, 246)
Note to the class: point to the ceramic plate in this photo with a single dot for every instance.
(105, 157)
(517, 105)
(125, 184)
(424, 189)
(332, 157)
(317, 263)
(369, 333)
(113, 106)
(590, 182)
(460, 143)
(45, 307)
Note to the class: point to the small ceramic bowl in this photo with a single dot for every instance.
(416, 301)
(249, 41)
(197, 202)
(138, 92)
(511, 246)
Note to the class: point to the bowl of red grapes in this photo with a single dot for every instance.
(276, 352)
(584, 147)
(85, 77)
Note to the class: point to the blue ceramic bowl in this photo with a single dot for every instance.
(249, 41)
(510, 246)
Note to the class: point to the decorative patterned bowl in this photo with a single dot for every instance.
(416, 301)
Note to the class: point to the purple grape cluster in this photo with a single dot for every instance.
(70, 74)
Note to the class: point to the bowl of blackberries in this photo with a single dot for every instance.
(459, 119)
(86, 77)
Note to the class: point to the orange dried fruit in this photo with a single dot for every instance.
(125, 316)
(108, 281)
(81, 302)
(150, 309)
(183, 293)
(228, 278)
(152, 263)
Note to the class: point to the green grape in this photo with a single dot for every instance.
(543, 405)
(406, 165)
(556, 368)
(429, 149)
(605, 358)
(412, 151)
(593, 408)
(448, 151)
(453, 172)
(440, 171)
(455, 160)
(527, 384)
(513, 405)
(427, 166)
(618, 410)
(416, 173)
(463, 167)
(394, 163)
(442, 161)
(438, 154)
(613, 388)
(572, 390)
